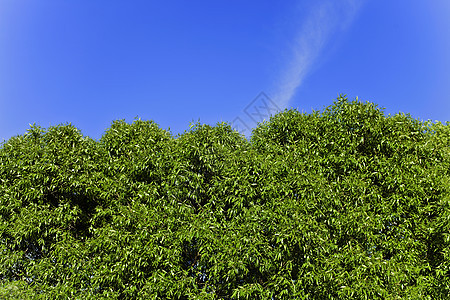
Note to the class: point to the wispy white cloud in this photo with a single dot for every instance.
(324, 21)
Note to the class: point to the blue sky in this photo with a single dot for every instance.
(174, 62)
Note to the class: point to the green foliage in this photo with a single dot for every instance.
(347, 203)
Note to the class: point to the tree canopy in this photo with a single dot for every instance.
(343, 203)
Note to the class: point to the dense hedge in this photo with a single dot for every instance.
(346, 203)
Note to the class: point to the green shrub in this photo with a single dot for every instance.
(347, 203)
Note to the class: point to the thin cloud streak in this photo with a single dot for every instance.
(327, 18)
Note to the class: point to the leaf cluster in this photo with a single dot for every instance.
(344, 203)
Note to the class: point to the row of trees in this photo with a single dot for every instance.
(342, 203)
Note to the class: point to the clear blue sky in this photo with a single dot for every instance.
(92, 62)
